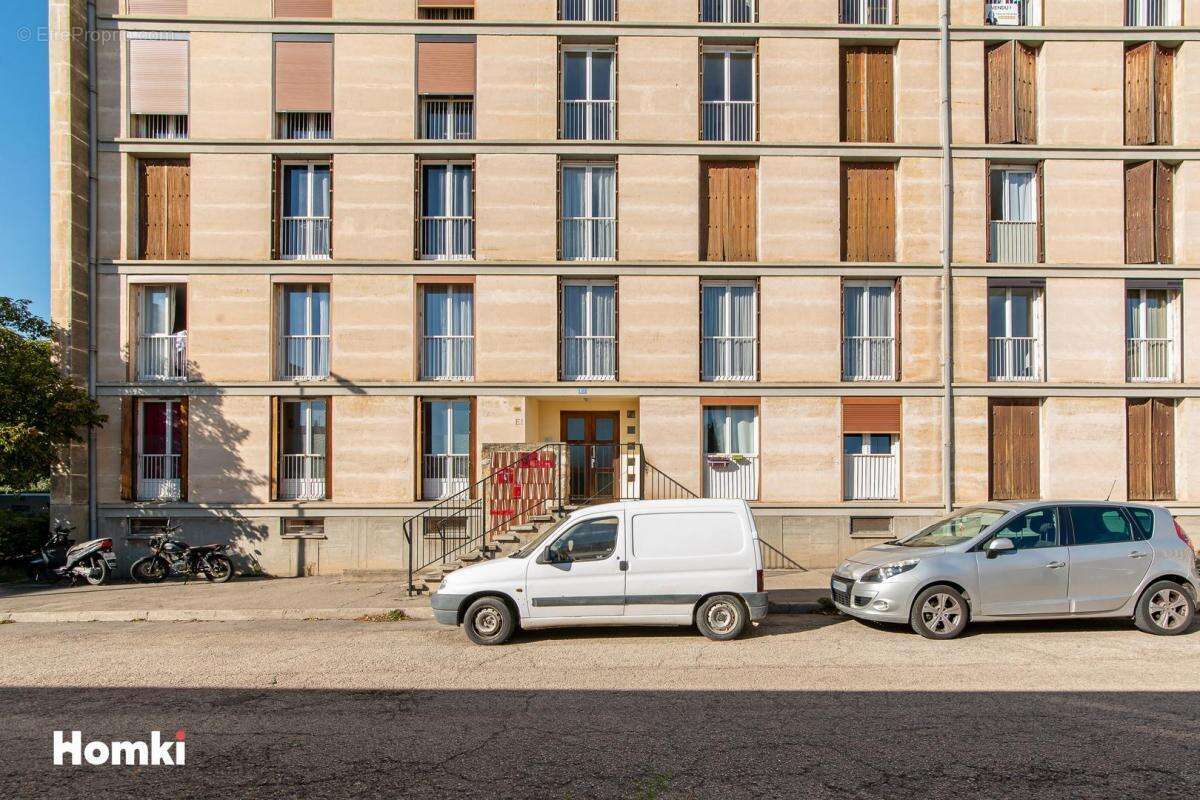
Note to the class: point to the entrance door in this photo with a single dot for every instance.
(592, 444)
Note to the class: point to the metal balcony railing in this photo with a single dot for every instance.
(306, 125)
(447, 238)
(444, 475)
(1013, 242)
(588, 10)
(728, 120)
(589, 120)
(447, 358)
(304, 356)
(728, 358)
(727, 10)
(447, 119)
(870, 476)
(589, 239)
(866, 12)
(159, 126)
(304, 238)
(1148, 13)
(731, 476)
(162, 356)
(589, 358)
(869, 358)
(158, 477)
(1149, 359)
(1014, 358)
(302, 477)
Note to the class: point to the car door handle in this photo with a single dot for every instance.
(1138, 554)
(1056, 564)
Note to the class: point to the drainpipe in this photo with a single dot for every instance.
(947, 256)
(91, 35)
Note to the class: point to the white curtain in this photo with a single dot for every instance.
(880, 310)
(1019, 203)
(156, 310)
(742, 425)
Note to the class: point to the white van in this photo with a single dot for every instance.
(650, 562)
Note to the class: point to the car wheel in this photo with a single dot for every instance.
(489, 620)
(721, 617)
(1165, 609)
(939, 612)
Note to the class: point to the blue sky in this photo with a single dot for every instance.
(24, 143)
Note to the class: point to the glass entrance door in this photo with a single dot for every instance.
(592, 445)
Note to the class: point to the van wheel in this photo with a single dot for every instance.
(939, 612)
(489, 620)
(1165, 609)
(721, 617)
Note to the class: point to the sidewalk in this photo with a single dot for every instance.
(244, 599)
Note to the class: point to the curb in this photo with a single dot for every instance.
(209, 615)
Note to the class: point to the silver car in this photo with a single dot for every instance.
(1037, 560)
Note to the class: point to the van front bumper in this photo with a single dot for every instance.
(445, 607)
(887, 601)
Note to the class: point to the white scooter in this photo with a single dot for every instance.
(93, 560)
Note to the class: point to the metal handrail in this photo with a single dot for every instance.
(780, 555)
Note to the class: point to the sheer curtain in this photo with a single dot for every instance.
(604, 312)
(604, 210)
(1019, 203)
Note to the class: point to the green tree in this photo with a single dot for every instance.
(41, 410)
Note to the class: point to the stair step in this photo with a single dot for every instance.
(507, 538)
(543, 518)
(523, 528)
(471, 558)
(488, 548)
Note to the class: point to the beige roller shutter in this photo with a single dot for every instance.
(173, 7)
(158, 75)
(303, 75)
(446, 66)
(304, 8)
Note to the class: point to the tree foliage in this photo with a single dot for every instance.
(41, 410)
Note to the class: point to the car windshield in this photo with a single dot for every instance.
(534, 545)
(955, 529)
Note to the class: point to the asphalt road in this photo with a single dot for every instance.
(808, 706)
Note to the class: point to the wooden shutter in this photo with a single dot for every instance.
(729, 219)
(1014, 450)
(152, 209)
(1025, 94)
(303, 76)
(1139, 213)
(999, 91)
(276, 437)
(179, 210)
(183, 447)
(1139, 125)
(1164, 213)
(854, 128)
(712, 220)
(1162, 449)
(128, 439)
(446, 66)
(854, 211)
(158, 75)
(174, 7)
(881, 213)
(871, 415)
(1164, 86)
(1137, 435)
(304, 8)
(879, 69)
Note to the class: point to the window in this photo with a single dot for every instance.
(589, 325)
(1010, 93)
(871, 527)
(729, 211)
(587, 10)
(1149, 213)
(1149, 94)
(304, 332)
(448, 332)
(447, 225)
(1014, 333)
(162, 333)
(1099, 525)
(158, 82)
(1152, 13)
(1014, 214)
(304, 84)
(1014, 450)
(727, 107)
(1150, 431)
(446, 447)
(1033, 529)
(731, 452)
(446, 85)
(447, 117)
(164, 209)
(161, 430)
(590, 540)
(305, 125)
(1144, 518)
(868, 211)
(871, 466)
(727, 11)
(1013, 12)
(588, 209)
(304, 464)
(868, 331)
(867, 93)
(446, 9)
(588, 93)
(1150, 333)
(866, 12)
(305, 223)
(304, 527)
(729, 330)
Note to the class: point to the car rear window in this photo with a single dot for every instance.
(1145, 521)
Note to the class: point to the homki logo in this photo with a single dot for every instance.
(155, 753)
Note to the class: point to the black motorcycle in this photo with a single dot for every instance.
(60, 557)
(171, 556)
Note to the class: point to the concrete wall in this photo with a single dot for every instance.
(970, 299)
(971, 450)
(921, 450)
(516, 328)
(917, 103)
(657, 87)
(659, 208)
(798, 310)
(799, 201)
(516, 87)
(918, 210)
(800, 451)
(229, 449)
(374, 87)
(659, 331)
(970, 210)
(966, 90)
(515, 207)
(682, 11)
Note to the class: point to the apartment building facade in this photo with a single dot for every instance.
(342, 249)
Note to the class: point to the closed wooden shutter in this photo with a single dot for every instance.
(128, 439)
(304, 8)
(173, 7)
(158, 75)
(871, 415)
(1164, 90)
(164, 209)
(1014, 450)
(868, 212)
(1164, 213)
(303, 76)
(446, 65)
(1000, 94)
(182, 411)
(729, 220)
(179, 210)
(1139, 124)
(1137, 430)
(854, 125)
(1139, 213)
(1025, 94)
(867, 94)
(276, 439)
(1162, 449)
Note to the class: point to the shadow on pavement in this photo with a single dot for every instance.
(266, 743)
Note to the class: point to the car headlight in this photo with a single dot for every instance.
(880, 574)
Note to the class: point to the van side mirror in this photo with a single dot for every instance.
(549, 555)
(998, 545)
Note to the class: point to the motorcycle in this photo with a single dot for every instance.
(172, 556)
(60, 557)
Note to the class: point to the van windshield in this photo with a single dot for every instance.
(536, 544)
(955, 529)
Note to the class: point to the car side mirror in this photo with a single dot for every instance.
(999, 545)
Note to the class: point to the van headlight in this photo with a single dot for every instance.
(880, 574)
